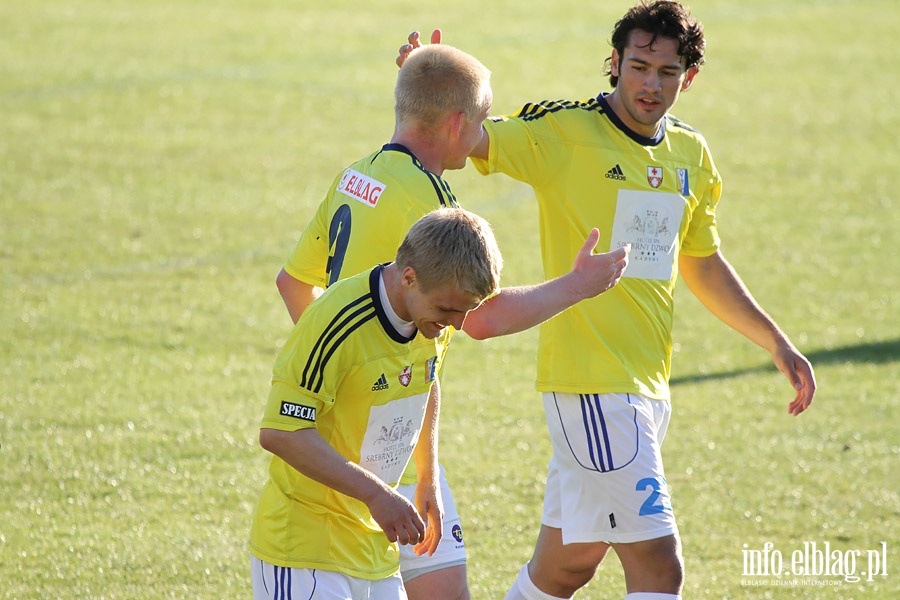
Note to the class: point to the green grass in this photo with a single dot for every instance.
(159, 159)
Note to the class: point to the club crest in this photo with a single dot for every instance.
(654, 176)
(405, 376)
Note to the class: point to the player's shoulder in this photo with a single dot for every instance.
(379, 178)
(676, 126)
(409, 177)
(681, 133)
(546, 109)
(347, 294)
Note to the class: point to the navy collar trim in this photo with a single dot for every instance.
(640, 139)
(374, 279)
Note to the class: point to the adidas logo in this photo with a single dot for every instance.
(381, 384)
(615, 173)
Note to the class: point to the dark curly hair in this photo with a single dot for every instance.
(662, 18)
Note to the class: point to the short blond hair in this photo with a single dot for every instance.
(452, 246)
(436, 80)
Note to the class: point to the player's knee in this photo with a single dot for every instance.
(671, 566)
(564, 579)
(666, 574)
(671, 573)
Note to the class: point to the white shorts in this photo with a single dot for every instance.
(283, 583)
(605, 481)
(450, 552)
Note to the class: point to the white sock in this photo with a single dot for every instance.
(652, 596)
(524, 589)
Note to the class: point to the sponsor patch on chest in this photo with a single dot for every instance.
(360, 187)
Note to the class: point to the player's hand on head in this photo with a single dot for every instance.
(414, 43)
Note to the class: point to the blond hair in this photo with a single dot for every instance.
(452, 246)
(436, 80)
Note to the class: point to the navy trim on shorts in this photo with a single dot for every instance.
(597, 436)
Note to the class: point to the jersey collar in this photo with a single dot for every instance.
(374, 282)
(395, 147)
(640, 139)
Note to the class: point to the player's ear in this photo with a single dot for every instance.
(408, 277)
(614, 62)
(457, 123)
(689, 78)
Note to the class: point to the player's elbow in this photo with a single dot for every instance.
(283, 282)
(477, 328)
(269, 439)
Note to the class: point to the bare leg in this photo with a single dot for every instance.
(652, 565)
(560, 570)
(443, 584)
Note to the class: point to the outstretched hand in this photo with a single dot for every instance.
(599, 272)
(414, 43)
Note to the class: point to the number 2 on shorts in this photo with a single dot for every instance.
(657, 502)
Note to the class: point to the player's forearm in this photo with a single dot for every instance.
(482, 148)
(425, 454)
(519, 308)
(307, 451)
(719, 288)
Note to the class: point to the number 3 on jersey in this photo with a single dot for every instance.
(658, 500)
(338, 240)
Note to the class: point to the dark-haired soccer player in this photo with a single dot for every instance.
(620, 161)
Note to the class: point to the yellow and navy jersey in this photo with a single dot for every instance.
(658, 194)
(365, 215)
(364, 218)
(346, 371)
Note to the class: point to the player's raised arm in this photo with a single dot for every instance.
(414, 43)
(482, 148)
(518, 308)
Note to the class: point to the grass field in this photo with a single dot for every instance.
(159, 159)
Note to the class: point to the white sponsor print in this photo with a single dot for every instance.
(650, 222)
(391, 435)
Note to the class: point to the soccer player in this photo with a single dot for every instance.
(350, 403)
(621, 161)
(441, 97)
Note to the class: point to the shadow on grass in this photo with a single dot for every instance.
(875, 352)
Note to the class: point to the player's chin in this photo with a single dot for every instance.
(432, 331)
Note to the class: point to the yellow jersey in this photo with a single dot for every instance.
(657, 194)
(346, 371)
(365, 216)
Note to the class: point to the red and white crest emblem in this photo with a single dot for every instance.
(655, 176)
(405, 376)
